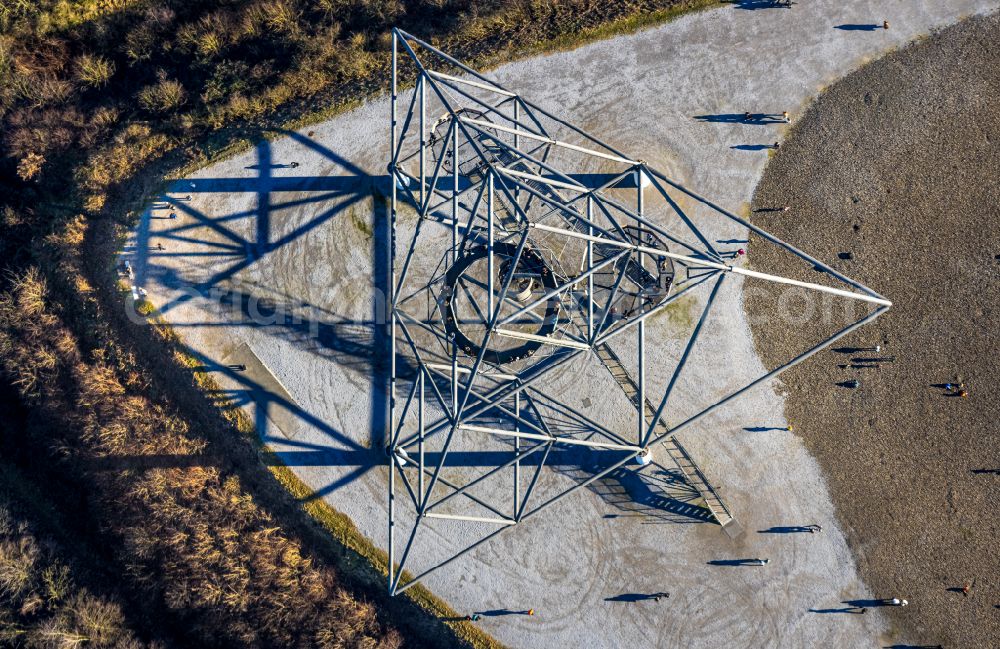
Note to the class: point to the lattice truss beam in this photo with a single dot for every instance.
(527, 258)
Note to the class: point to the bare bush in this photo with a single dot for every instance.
(94, 71)
(162, 97)
(30, 166)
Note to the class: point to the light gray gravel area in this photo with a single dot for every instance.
(304, 237)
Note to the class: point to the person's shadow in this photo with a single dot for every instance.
(867, 603)
(742, 118)
(751, 5)
(636, 597)
(847, 609)
(734, 562)
(752, 147)
(858, 28)
(788, 529)
(500, 612)
(273, 165)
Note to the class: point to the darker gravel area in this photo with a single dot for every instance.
(899, 165)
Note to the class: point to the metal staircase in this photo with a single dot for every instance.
(692, 473)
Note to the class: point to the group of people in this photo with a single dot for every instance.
(956, 390)
(752, 117)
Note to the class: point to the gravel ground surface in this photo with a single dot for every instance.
(897, 164)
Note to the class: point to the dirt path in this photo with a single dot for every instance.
(897, 164)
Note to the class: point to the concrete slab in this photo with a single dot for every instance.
(251, 368)
(279, 258)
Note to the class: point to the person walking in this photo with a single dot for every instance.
(885, 24)
(784, 116)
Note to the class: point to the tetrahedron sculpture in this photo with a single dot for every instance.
(524, 253)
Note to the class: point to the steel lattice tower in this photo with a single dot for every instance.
(522, 249)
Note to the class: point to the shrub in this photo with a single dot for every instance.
(30, 166)
(280, 16)
(209, 44)
(162, 97)
(105, 116)
(94, 71)
(140, 43)
(52, 90)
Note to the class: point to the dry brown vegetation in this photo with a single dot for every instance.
(41, 603)
(162, 503)
(195, 544)
(70, 70)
